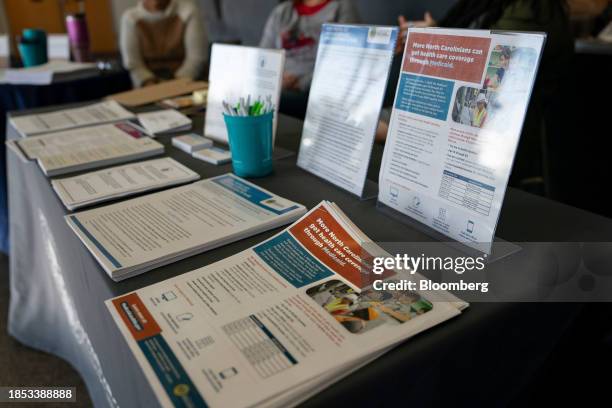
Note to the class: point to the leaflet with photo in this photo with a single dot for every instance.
(121, 181)
(89, 147)
(346, 96)
(137, 235)
(236, 72)
(459, 109)
(267, 326)
(95, 114)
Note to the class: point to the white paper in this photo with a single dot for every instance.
(144, 233)
(90, 147)
(447, 161)
(94, 114)
(255, 330)
(44, 74)
(58, 47)
(162, 121)
(346, 96)
(236, 72)
(121, 181)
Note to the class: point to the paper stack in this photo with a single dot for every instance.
(190, 143)
(135, 236)
(276, 323)
(121, 181)
(164, 121)
(87, 148)
(47, 73)
(94, 114)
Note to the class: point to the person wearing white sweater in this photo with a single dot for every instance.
(163, 39)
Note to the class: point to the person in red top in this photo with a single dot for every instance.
(295, 26)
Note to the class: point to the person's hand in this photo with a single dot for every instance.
(150, 81)
(428, 21)
(290, 81)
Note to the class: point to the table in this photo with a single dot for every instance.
(19, 97)
(490, 353)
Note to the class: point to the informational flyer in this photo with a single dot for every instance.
(237, 72)
(459, 109)
(345, 100)
(94, 114)
(121, 181)
(137, 235)
(90, 147)
(266, 325)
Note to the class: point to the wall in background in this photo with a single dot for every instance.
(46, 14)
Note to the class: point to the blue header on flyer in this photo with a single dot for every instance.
(469, 180)
(253, 194)
(380, 38)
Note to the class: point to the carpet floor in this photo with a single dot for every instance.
(24, 366)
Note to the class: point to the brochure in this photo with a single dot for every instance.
(95, 114)
(236, 72)
(346, 96)
(457, 118)
(49, 72)
(269, 326)
(135, 236)
(164, 121)
(89, 147)
(121, 181)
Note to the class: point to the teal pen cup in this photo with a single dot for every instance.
(250, 140)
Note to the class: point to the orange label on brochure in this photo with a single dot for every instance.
(331, 244)
(447, 56)
(136, 316)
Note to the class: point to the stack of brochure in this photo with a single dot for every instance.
(86, 148)
(121, 181)
(164, 121)
(276, 323)
(135, 236)
(49, 72)
(95, 114)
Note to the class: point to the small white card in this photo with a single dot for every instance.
(213, 155)
(191, 142)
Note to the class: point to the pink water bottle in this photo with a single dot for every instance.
(76, 25)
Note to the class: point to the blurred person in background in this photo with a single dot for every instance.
(549, 16)
(163, 39)
(295, 26)
(589, 17)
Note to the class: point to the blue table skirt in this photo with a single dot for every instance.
(19, 97)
